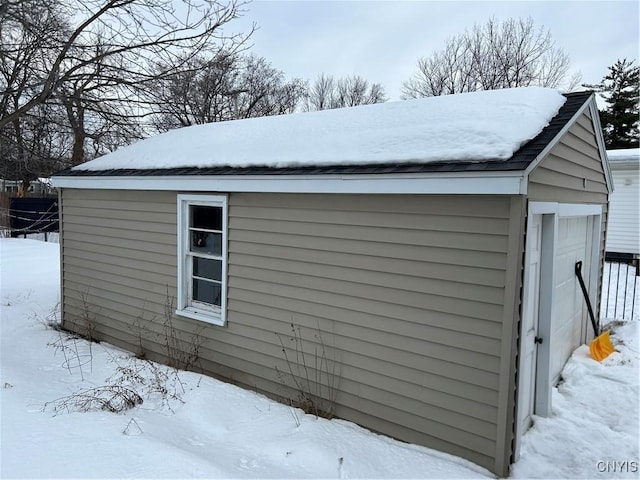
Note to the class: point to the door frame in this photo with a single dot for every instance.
(551, 213)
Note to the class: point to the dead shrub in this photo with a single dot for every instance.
(109, 398)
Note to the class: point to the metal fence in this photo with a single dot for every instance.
(27, 216)
(621, 290)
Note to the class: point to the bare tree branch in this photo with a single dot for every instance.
(133, 33)
(225, 86)
(495, 55)
(76, 75)
(327, 92)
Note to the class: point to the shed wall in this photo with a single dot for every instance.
(406, 291)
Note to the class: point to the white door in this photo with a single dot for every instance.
(554, 319)
(568, 321)
(530, 309)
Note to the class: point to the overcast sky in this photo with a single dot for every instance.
(383, 40)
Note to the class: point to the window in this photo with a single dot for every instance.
(202, 257)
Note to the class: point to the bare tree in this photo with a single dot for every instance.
(321, 93)
(25, 34)
(508, 54)
(91, 61)
(226, 86)
(193, 95)
(132, 34)
(32, 148)
(263, 90)
(97, 115)
(327, 92)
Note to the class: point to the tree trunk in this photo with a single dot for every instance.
(77, 154)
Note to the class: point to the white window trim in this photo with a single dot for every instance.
(565, 209)
(215, 316)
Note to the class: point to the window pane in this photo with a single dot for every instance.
(207, 268)
(209, 218)
(205, 242)
(207, 292)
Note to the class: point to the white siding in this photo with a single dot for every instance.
(623, 234)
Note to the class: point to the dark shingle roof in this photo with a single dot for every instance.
(519, 161)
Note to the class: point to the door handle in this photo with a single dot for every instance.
(538, 340)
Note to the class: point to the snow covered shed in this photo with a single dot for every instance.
(623, 234)
(424, 250)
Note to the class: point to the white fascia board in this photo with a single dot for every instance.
(595, 115)
(493, 183)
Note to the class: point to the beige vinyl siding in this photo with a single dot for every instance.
(408, 292)
(511, 318)
(572, 172)
(388, 277)
(119, 260)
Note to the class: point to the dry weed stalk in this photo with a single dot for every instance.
(183, 354)
(313, 375)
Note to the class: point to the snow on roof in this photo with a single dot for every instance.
(626, 155)
(487, 125)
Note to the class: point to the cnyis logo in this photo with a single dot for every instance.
(614, 466)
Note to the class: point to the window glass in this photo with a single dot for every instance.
(206, 243)
(207, 268)
(207, 292)
(206, 218)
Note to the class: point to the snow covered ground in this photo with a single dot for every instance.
(200, 427)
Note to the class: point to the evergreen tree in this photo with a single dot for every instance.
(620, 116)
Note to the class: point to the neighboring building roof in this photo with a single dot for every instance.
(499, 130)
(624, 157)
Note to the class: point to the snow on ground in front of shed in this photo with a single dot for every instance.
(487, 125)
(593, 431)
(210, 429)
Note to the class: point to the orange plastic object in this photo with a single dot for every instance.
(601, 347)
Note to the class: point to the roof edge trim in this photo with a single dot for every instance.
(595, 115)
(488, 183)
